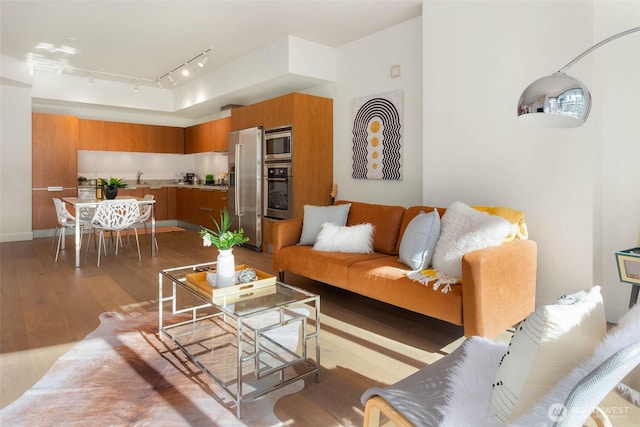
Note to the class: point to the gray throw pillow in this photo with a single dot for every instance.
(315, 216)
(419, 240)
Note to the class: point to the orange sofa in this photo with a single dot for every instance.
(497, 288)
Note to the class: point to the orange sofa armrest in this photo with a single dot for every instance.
(498, 287)
(285, 233)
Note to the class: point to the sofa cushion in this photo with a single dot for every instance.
(546, 346)
(326, 267)
(385, 279)
(463, 230)
(357, 239)
(386, 222)
(419, 240)
(315, 216)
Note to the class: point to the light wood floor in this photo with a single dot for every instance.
(45, 307)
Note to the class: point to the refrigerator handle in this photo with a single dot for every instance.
(237, 180)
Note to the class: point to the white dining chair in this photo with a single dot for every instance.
(66, 221)
(116, 216)
(145, 216)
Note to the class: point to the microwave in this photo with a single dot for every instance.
(278, 144)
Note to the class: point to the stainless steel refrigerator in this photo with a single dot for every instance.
(245, 183)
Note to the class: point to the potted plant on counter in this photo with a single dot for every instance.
(110, 187)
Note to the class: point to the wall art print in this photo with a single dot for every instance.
(377, 136)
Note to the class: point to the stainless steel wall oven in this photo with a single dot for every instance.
(278, 190)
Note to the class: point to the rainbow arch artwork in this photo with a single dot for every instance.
(377, 137)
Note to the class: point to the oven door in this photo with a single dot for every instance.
(278, 192)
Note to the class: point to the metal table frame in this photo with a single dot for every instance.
(245, 334)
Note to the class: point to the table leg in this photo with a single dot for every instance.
(78, 241)
(634, 295)
(153, 229)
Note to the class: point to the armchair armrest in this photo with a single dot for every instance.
(498, 287)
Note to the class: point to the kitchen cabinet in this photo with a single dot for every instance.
(165, 139)
(247, 117)
(171, 203)
(211, 203)
(54, 165)
(279, 111)
(160, 195)
(187, 204)
(207, 137)
(111, 136)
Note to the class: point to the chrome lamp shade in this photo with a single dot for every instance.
(560, 101)
(557, 101)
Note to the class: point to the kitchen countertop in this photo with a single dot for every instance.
(163, 183)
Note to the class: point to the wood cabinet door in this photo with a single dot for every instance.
(54, 156)
(247, 117)
(130, 137)
(220, 134)
(198, 139)
(187, 205)
(165, 139)
(278, 111)
(44, 212)
(91, 135)
(171, 203)
(160, 195)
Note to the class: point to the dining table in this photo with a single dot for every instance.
(78, 204)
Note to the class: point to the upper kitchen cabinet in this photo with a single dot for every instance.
(278, 111)
(207, 137)
(54, 151)
(111, 136)
(247, 117)
(165, 139)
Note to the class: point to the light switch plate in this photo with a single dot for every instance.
(395, 71)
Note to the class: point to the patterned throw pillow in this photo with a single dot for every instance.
(546, 346)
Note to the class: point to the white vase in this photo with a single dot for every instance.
(225, 268)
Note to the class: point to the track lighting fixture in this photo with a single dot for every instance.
(199, 59)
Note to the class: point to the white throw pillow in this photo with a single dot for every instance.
(546, 346)
(419, 240)
(356, 239)
(315, 216)
(463, 230)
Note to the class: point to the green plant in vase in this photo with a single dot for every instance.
(111, 186)
(223, 239)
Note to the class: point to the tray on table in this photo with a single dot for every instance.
(198, 279)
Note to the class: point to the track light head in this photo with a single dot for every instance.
(172, 80)
(159, 83)
(185, 70)
(136, 87)
(203, 60)
(91, 78)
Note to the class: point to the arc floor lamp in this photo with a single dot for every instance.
(559, 100)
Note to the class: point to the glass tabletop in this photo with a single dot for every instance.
(247, 301)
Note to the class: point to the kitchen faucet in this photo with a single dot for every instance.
(139, 175)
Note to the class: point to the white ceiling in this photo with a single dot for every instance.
(146, 39)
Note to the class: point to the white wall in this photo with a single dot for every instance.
(478, 58)
(364, 69)
(15, 154)
(616, 93)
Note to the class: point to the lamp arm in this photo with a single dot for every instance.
(594, 47)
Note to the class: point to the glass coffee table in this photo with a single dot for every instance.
(250, 342)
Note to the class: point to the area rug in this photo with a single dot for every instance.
(123, 374)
